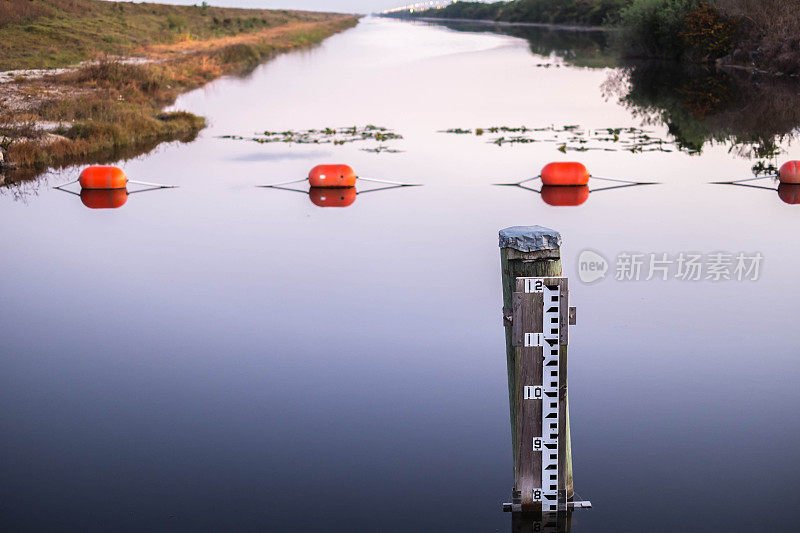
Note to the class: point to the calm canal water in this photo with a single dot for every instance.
(223, 357)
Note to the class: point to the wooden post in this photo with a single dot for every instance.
(532, 251)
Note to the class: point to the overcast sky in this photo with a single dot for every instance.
(347, 6)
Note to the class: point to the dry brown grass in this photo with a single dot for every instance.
(775, 18)
(770, 33)
(46, 33)
(110, 107)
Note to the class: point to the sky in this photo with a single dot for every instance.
(346, 6)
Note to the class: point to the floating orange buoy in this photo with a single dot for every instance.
(325, 197)
(104, 198)
(565, 174)
(789, 193)
(328, 176)
(790, 172)
(560, 195)
(102, 177)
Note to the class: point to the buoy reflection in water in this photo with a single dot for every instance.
(332, 197)
(789, 193)
(104, 198)
(558, 195)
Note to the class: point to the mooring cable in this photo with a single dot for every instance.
(398, 183)
(736, 182)
(283, 183)
(154, 185)
(65, 184)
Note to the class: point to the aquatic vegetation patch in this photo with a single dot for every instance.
(382, 150)
(335, 136)
(765, 168)
(575, 138)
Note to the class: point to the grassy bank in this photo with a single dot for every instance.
(135, 60)
(759, 34)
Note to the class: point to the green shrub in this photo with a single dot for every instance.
(239, 53)
(654, 28)
(175, 22)
(707, 34)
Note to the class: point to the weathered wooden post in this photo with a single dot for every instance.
(537, 316)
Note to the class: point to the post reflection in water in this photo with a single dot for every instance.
(537, 523)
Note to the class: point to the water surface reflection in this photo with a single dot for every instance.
(754, 114)
(579, 48)
(221, 357)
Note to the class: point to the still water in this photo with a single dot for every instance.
(224, 357)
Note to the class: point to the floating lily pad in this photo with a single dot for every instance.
(573, 137)
(335, 136)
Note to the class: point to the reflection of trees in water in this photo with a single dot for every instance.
(22, 182)
(698, 105)
(703, 106)
(579, 48)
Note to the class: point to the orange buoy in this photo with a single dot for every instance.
(332, 176)
(560, 195)
(325, 197)
(103, 177)
(790, 172)
(570, 173)
(789, 193)
(104, 198)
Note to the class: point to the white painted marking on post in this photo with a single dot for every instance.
(534, 340)
(548, 340)
(533, 392)
(533, 285)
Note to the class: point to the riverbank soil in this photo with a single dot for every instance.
(87, 80)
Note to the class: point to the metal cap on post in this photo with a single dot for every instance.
(538, 240)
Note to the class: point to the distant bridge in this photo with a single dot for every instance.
(432, 4)
(420, 6)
